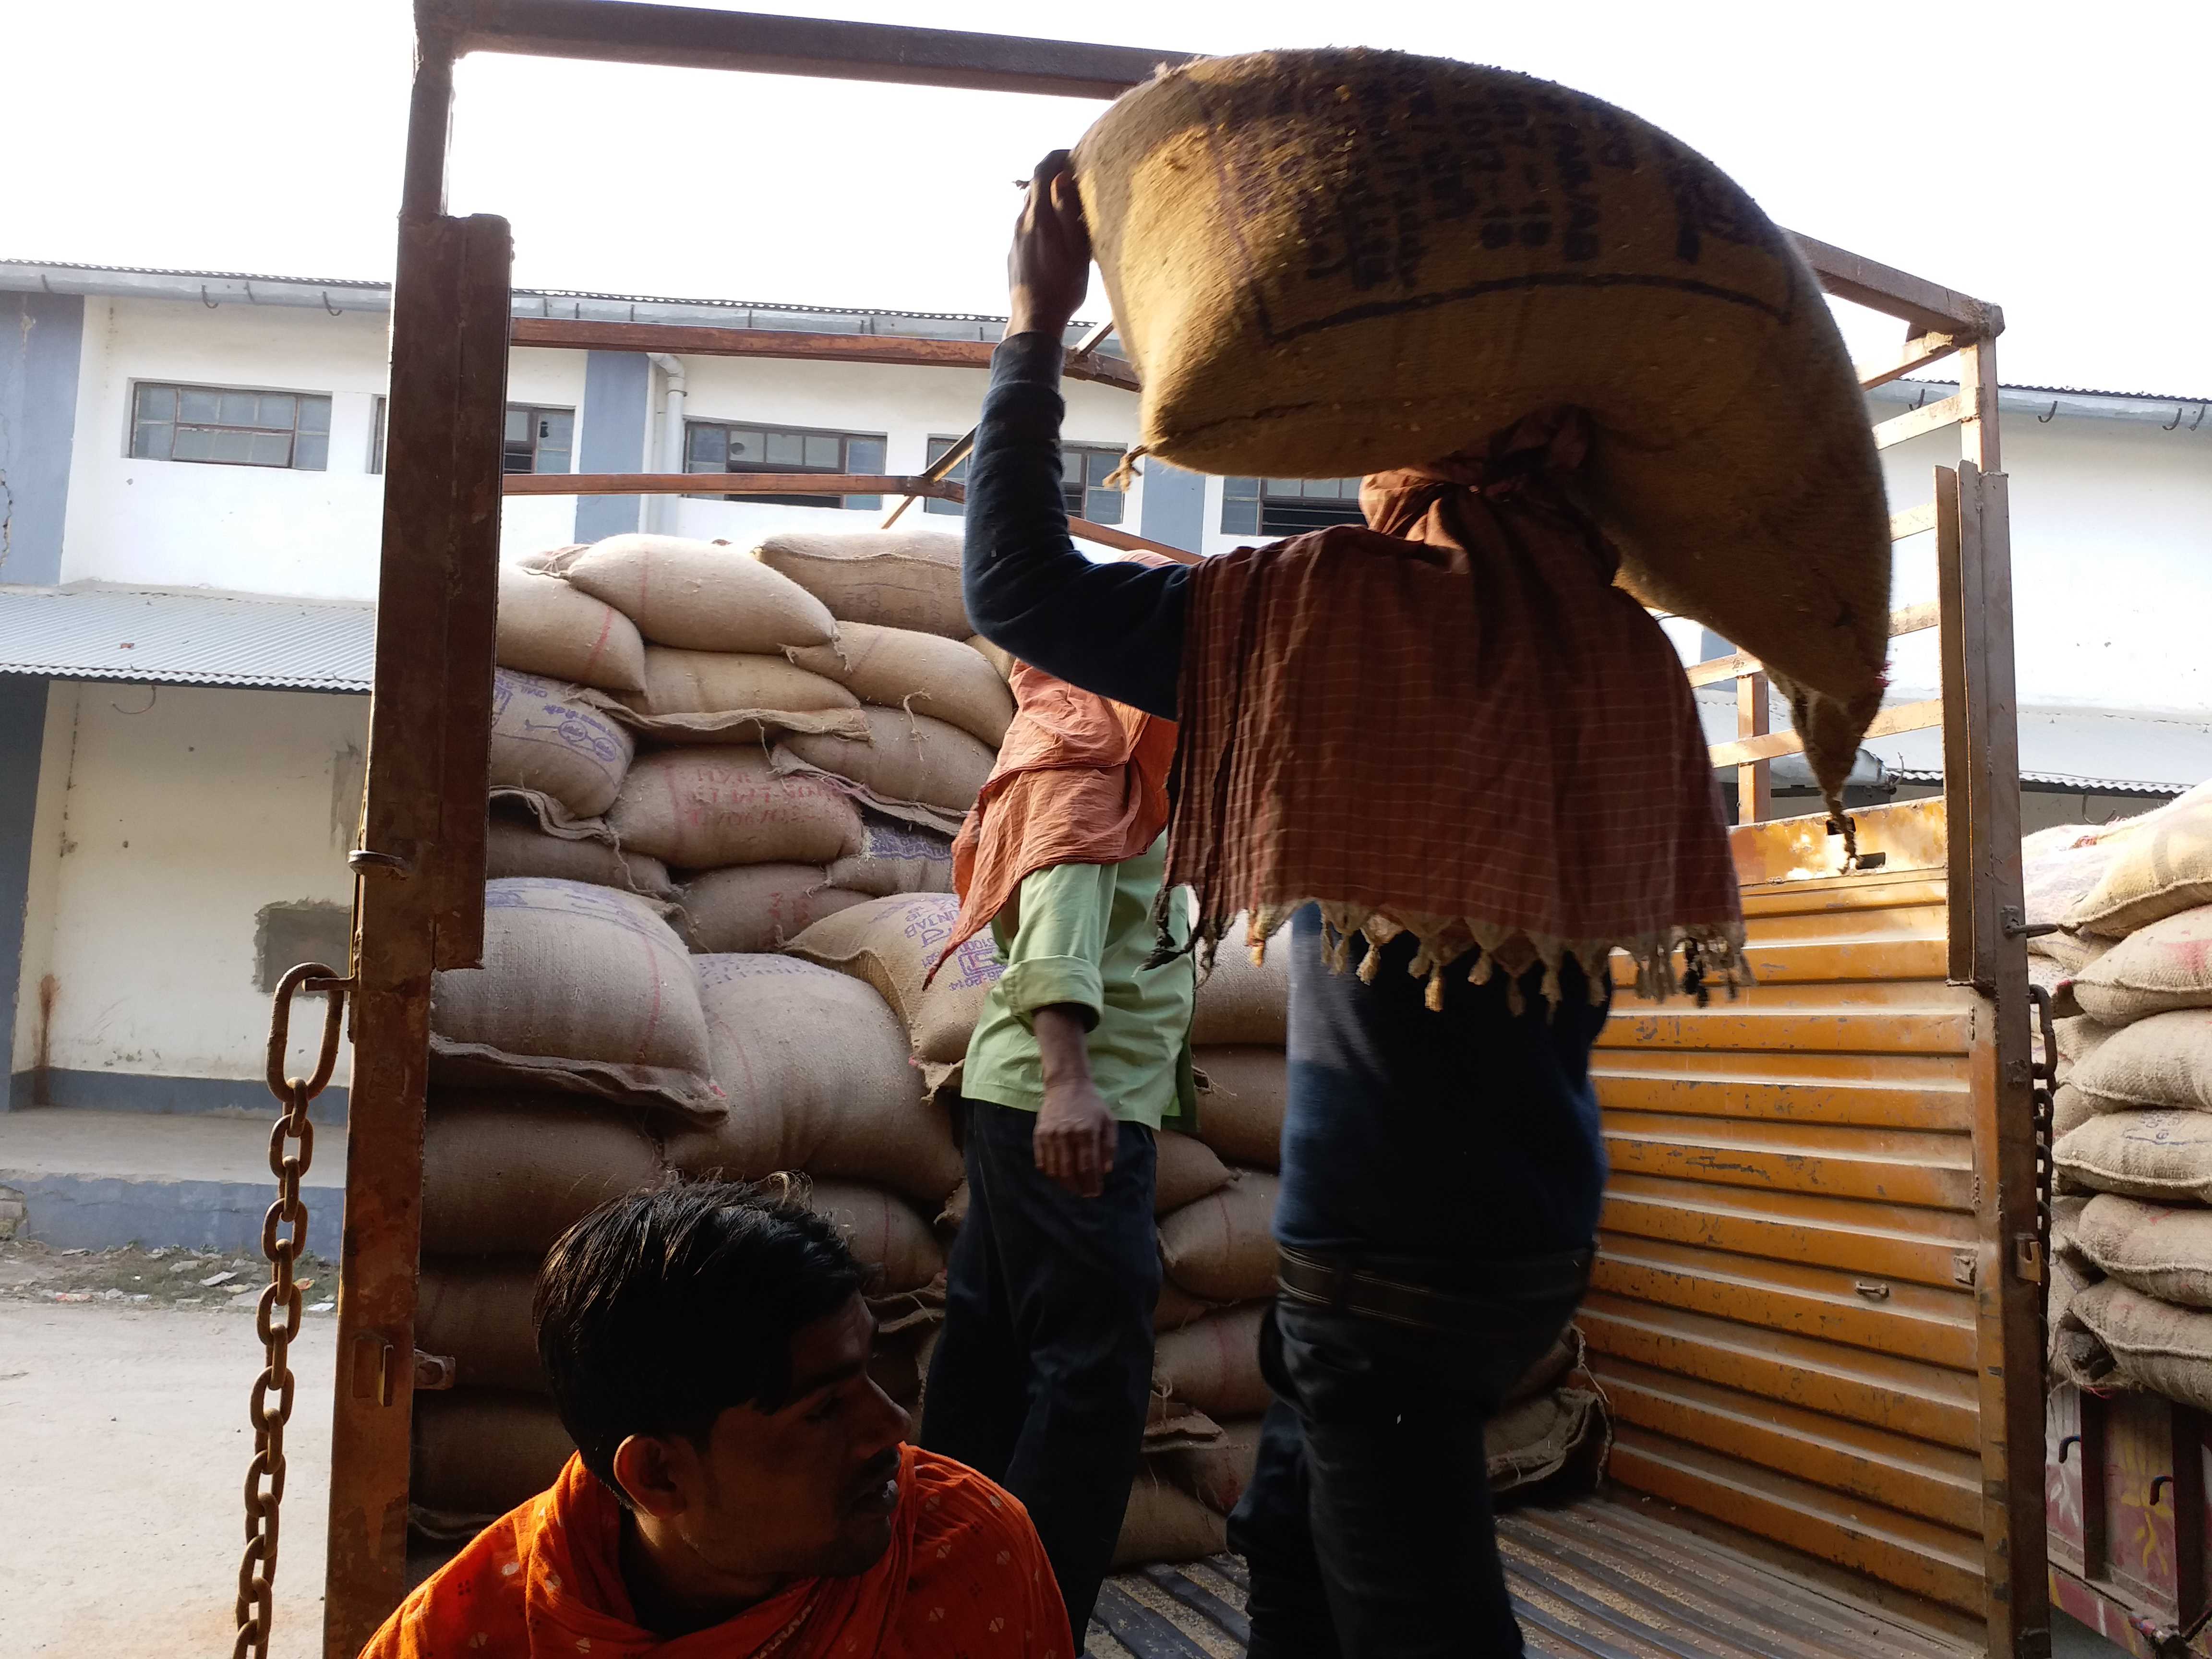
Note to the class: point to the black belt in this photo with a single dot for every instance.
(1345, 1287)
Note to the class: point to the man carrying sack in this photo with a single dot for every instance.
(1469, 768)
(1043, 1372)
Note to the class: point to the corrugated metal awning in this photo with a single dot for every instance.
(186, 636)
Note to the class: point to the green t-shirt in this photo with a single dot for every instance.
(1083, 932)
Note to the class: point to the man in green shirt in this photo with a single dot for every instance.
(1042, 1375)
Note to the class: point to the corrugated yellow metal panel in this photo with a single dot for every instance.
(1890, 1091)
(1886, 1241)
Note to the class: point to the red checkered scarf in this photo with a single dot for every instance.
(1452, 724)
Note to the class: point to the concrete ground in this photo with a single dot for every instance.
(126, 1444)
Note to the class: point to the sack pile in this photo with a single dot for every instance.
(694, 758)
(2131, 1288)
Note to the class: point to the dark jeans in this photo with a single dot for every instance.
(1042, 1377)
(1367, 1524)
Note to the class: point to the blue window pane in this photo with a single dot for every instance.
(195, 405)
(150, 439)
(237, 408)
(194, 443)
(863, 455)
(864, 503)
(278, 411)
(781, 449)
(269, 448)
(709, 447)
(157, 402)
(1103, 505)
(314, 414)
(310, 452)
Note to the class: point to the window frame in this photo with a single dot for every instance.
(694, 423)
(536, 412)
(1079, 506)
(134, 421)
(379, 416)
(1344, 508)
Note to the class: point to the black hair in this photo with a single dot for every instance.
(663, 1309)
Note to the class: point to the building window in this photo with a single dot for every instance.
(1287, 507)
(1084, 470)
(718, 447)
(376, 420)
(231, 426)
(537, 440)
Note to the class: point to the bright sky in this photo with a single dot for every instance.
(2046, 157)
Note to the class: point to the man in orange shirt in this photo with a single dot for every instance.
(740, 1489)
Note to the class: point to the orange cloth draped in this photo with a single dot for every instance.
(964, 1576)
(1080, 779)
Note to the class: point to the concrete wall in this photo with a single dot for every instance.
(166, 818)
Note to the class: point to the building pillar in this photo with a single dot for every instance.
(617, 407)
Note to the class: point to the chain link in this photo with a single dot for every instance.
(2046, 1085)
(291, 1150)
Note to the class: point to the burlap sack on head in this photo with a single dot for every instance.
(1221, 1248)
(926, 673)
(883, 1230)
(1213, 1363)
(476, 1312)
(731, 696)
(478, 1453)
(891, 943)
(546, 627)
(2161, 865)
(556, 740)
(1321, 267)
(814, 1065)
(1002, 660)
(909, 766)
(2157, 1346)
(700, 809)
(751, 907)
(2165, 965)
(583, 989)
(1188, 1169)
(702, 596)
(1240, 1113)
(896, 858)
(2161, 1251)
(507, 1174)
(2165, 1060)
(1165, 1523)
(1245, 1001)
(2163, 1155)
(515, 846)
(1215, 1474)
(889, 578)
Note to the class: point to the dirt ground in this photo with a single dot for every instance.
(124, 1445)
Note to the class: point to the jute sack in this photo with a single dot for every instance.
(2059, 867)
(910, 766)
(889, 578)
(1002, 660)
(1323, 264)
(546, 627)
(700, 809)
(2161, 967)
(759, 907)
(1240, 1114)
(883, 1230)
(2070, 1109)
(549, 559)
(2163, 1155)
(1540, 1438)
(553, 740)
(582, 988)
(1213, 1363)
(895, 858)
(2162, 865)
(1187, 1170)
(507, 1175)
(892, 943)
(2054, 982)
(2078, 1038)
(815, 1067)
(2069, 952)
(1220, 1248)
(1245, 1001)
(517, 847)
(1215, 1474)
(476, 1312)
(1175, 1308)
(1163, 1522)
(2162, 1252)
(2164, 1060)
(702, 596)
(2164, 1349)
(927, 673)
(2074, 1355)
(733, 696)
(480, 1452)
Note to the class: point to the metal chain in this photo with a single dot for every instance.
(2046, 1094)
(291, 1150)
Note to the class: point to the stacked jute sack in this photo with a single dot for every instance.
(695, 754)
(2131, 1287)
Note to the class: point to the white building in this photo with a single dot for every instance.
(190, 498)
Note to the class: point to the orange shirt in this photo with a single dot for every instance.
(964, 1578)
